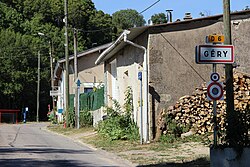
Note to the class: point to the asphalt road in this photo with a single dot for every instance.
(29, 145)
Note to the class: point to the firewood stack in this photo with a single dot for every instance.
(196, 111)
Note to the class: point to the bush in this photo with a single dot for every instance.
(174, 128)
(71, 118)
(86, 119)
(119, 125)
(51, 117)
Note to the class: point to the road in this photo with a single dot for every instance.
(28, 145)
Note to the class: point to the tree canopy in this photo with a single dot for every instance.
(159, 18)
(128, 18)
(22, 20)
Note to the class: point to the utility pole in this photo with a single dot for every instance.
(38, 87)
(228, 67)
(75, 79)
(66, 62)
(51, 64)
(75, 54)
(51, 69)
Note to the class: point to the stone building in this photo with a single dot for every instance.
(165, 54)
(89, 74)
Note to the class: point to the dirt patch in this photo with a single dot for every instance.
(183, 153)
(177, 154)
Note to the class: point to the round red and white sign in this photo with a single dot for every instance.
(215, 91)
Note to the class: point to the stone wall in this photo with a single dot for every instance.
(173, 71)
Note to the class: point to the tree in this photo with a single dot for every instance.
(20, 21)
(128, 18)
(159, 18)
(17, 68)
(100, 26)
(10, 18)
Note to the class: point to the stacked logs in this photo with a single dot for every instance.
(196, 111)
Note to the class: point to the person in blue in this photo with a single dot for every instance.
(26, 109)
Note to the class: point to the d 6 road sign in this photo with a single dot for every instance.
(215, 38)
(214, 54)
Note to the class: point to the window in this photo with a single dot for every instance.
(87, 90)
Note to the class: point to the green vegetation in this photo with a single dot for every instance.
(69, 131)
(119, 124)
(86, 119)
(19, 44)
(128, 18)
(153, 153)
(159, 18)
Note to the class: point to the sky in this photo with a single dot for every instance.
(179, 7)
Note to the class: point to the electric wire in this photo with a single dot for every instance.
(149, 7)
(182, 57)
(105, 29)
(92, 31)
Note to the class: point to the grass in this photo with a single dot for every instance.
(69, 131)
(153, 153)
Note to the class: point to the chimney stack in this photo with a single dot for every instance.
(169, 15)
(187, 16)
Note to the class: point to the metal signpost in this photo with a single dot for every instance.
(78, 83)
(141, 130)
(214, 54)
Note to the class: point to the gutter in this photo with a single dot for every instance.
(109, 49)
(144, 114)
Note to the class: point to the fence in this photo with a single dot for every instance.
(89, 101)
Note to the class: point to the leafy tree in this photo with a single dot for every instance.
(10, 18)
(20, 22)
(101, 29)
(17, 68)
(128, 18)
(80, 12)
(159, 18)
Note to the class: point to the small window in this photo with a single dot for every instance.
(87, 90)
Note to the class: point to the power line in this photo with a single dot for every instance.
(149, 6)
(182, 57)
(90, 31)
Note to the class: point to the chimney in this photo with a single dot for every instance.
(169, 15)
(150, 22)
(187, 16)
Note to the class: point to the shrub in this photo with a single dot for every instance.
(119, 125)
(71, 118)
(86, 119)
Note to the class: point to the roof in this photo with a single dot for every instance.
(59, 67)
(134, 32)
(119, 44)
(86, 52)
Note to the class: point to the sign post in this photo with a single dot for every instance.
(214, 54)
(215, 113)
(78, 83)
(141, 130)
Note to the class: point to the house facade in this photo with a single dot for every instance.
(165, 55)
(89, 74)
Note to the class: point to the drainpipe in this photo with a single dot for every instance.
(145, 83)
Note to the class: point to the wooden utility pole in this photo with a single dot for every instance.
(51, 71)
(75, 79)
(228, 67)
(66, 62)
(38, 87)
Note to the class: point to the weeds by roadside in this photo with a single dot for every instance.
(158, 153)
